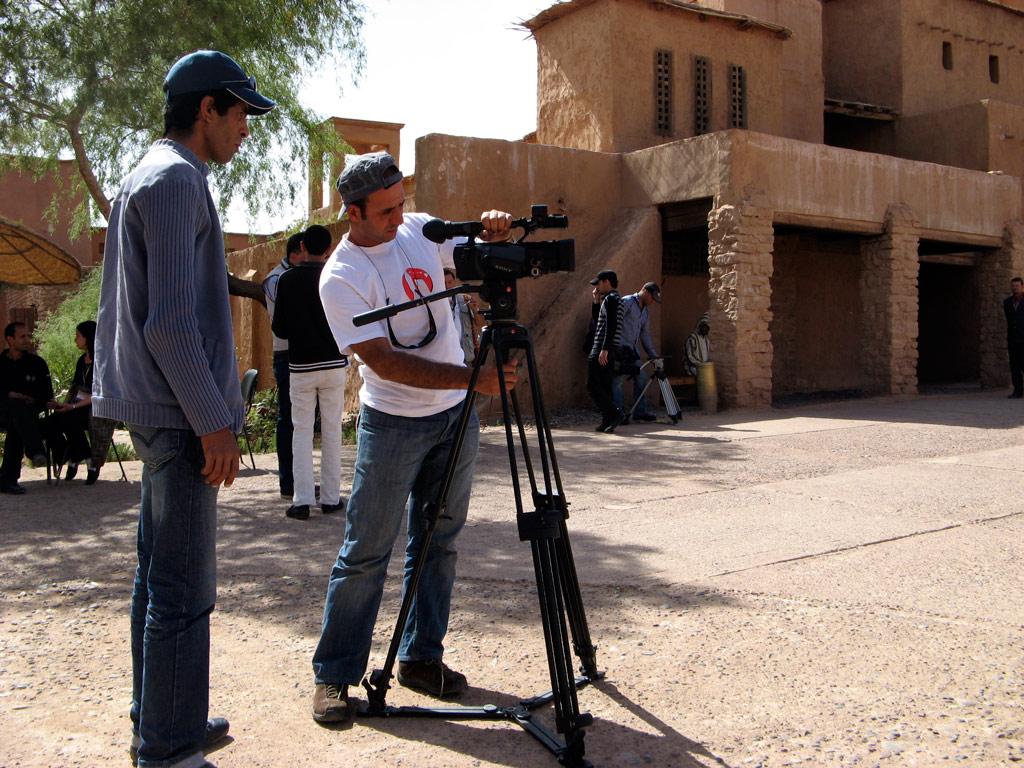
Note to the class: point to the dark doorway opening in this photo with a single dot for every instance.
(949, 321)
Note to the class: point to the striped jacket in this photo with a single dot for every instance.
(608, 334)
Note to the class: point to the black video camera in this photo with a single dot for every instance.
(507, 261)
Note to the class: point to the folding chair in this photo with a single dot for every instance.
(248, 390)
(101, 439)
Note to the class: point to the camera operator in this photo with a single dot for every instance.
(414, 383)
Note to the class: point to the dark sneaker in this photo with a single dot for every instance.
(12, 488)
(330, 703)
(299, 512)
(329, 508)
(39, 461)
(92, 475)
(216, 729)
(72, 470)
(615, 421)
(432, 676)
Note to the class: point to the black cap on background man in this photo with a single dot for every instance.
(606, 274)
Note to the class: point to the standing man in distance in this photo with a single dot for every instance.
(636, 332)
(165, 365)
(25, 389)
(605, 349)
(293, 256)
(316, 370)
(1013, 309)
(414, 384)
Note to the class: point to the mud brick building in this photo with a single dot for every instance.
(838, 182)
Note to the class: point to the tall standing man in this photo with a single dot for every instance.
(293, 256)
(414, 383)
(1013, 308)
(165, 365)
(25, 389)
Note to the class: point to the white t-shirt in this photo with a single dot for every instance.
(357, 279)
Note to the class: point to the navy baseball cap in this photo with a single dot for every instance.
(202, 71)
(365, 174)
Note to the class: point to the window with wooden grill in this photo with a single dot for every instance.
(701, 95)
(737, 97)
(663, 92)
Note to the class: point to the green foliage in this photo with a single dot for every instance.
(84, 77)
(261, 422)
(55, 336)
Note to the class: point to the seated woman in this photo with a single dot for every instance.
(67, 428)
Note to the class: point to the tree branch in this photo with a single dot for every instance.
(85, 169)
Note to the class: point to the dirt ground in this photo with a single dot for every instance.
(829, 585)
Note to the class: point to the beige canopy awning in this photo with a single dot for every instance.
(27, 258)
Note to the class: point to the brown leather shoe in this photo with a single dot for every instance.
(330, 703)
(433, 677)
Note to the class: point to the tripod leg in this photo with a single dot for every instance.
(569, 581)
(543, 528)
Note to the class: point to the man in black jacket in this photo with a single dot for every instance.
(602, 358)
(1013, 308)
(316, 371)
(25, 389)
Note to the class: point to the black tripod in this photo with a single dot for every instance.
(544, 527)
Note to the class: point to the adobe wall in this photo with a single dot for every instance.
(459, 177)
(851, 190)
(861, 44)
(596, 84)
(576, 81)
(975, 31)
(803, 75)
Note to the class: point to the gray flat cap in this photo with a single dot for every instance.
(366, 174)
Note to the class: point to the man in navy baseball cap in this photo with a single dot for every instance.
(203, 71)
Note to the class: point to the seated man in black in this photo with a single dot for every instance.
(25, 389)
(67, 428)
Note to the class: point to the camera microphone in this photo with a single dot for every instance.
(438, 231)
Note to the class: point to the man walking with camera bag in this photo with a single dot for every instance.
(414, 384)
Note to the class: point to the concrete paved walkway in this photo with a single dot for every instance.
(834, 584)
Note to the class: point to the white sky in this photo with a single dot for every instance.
(458, 67)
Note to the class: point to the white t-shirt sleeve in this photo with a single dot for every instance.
(345, 292)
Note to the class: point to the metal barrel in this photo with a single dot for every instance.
(707, 388)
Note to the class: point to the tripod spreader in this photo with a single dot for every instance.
(544, 527)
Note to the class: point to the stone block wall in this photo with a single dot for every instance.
(889, 298)
(740, 242)
(996, 270)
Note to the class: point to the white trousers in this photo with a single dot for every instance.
(329, 387)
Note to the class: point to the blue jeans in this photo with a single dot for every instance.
(400, 464)
(175, 588)
(284, 424)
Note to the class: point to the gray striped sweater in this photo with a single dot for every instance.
(165, 352)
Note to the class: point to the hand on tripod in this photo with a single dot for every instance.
(488, 384)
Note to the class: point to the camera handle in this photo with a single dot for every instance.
(558, 590)
(365, 318)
